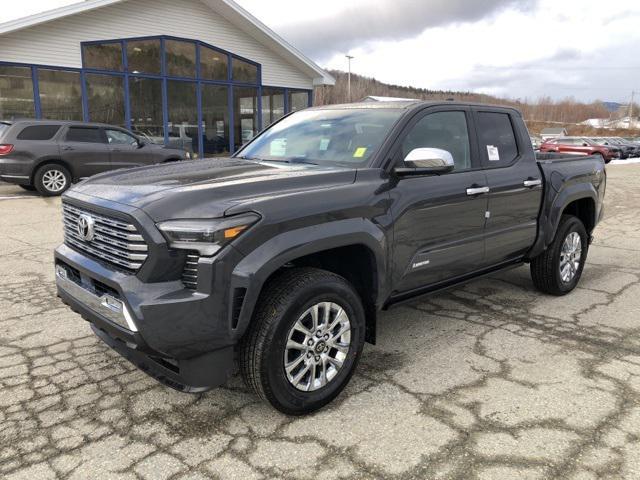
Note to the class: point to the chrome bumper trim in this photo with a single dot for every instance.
(108, 306)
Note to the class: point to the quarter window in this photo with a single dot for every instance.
(38, 132)
(84, 135)
(445, 131)
(497, 139)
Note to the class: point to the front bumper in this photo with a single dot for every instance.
(171, 333)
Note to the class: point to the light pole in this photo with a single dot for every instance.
(349, 58)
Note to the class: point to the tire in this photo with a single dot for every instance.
(28, 188)
(286, 301)
(546, 267)
(52, 180)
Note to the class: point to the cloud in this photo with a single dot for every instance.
(382, 20)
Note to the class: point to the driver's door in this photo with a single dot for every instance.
(440, 219)
(125, 149)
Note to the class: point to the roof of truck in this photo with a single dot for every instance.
(407, 104)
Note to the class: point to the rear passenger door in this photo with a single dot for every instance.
(84, 148)
(125, 149)
(515, 184)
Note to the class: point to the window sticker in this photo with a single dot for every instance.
(278, 147)
(494, 153)
(324, 144)
(360, 152)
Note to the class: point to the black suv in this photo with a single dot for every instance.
(48, 156)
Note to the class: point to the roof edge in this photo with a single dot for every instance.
(50, 15)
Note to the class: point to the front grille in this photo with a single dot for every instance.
(190, 272)
(115, 242)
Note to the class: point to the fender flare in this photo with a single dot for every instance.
(254, 269)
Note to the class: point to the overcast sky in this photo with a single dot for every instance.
(588, 49)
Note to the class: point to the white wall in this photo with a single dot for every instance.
(58, 42)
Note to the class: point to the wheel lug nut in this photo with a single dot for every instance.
(310, 343)
(326, 337)
(309, 355)
(317, 358)
(318, 334)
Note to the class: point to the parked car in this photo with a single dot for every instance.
(581, 146)
(536, 142)
(634, 149)
(282, 255)
(625, 150)
(48, 156)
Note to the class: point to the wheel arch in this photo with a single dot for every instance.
(356, 255)
(51, 161)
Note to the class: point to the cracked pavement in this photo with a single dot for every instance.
(492, 380)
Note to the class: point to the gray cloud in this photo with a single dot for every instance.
(396, 20)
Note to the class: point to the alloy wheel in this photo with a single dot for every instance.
(317, 346)
(570, 256)
(54, 181)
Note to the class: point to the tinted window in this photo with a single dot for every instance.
(16, 93)
(244, 72)
(213, 64)
(118, 137)
(143, 56)
(3, 128)
(145, 96)
(105, 56)
(497, 139)
(444, 130)
(105, 96)
(38, 132)
(180, 58)
(60, 94)
(85, 135)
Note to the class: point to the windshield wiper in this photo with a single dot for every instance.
(300, 160)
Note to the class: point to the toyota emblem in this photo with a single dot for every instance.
(86, 227)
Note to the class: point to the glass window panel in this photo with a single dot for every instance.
(105, 95)
(38, 132)
(16, 93)
(215, 120)
(272, 105)
(60, 94)
(444, 130)
(143, 56)
(244, 72)
(213, 64)
(180, 58)
(245, 115)
(145, 98)
(104, 56)
(85, 135)
(183, 116)
(298, 100)
(497, 136)
(118, 137)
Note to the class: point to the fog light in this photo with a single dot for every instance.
(61, 272)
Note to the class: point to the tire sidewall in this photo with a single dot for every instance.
(39, 180)
(293, 400)
(571, 225)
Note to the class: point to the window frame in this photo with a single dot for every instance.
(397, 160)
(517, 134)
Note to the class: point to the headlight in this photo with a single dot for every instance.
(206, 236)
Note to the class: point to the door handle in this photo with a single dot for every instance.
(532, 183)
(477, 191)
(67, 148)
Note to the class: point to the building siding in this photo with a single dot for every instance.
(58, 42)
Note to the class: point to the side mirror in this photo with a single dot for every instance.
(141, 143)
(426, 161)
(585, 144)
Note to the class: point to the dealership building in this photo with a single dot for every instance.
(204, 72)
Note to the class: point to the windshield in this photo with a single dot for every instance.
(347, 137)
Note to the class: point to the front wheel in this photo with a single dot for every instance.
(558, 269)
(305, 340)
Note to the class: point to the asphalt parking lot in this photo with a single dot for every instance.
(489, 381)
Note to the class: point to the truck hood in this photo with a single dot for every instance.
(207, 188)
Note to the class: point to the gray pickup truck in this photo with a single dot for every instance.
(281, 257)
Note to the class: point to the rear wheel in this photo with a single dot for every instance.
(558, 269)
(305, 340)
(52, 180)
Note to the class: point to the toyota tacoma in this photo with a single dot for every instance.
(280, 258)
